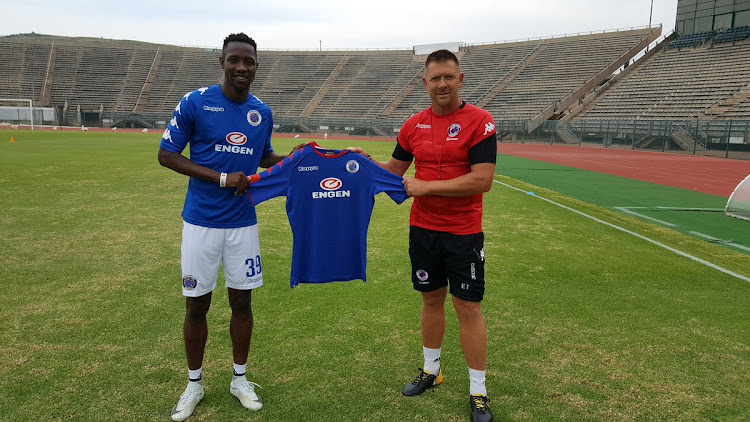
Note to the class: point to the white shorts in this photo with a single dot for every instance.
(204, 248)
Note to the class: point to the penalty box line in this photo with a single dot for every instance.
(632, 233)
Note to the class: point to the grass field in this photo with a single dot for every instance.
(586, 322)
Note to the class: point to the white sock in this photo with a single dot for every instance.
(431, 360)
(195, 375)
(239, 370)
(476, 382)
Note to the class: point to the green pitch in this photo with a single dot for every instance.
(585, 322)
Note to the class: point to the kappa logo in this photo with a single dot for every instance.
(421, 126)
(173, 122)
(489, 127)
(236, 138)
(331, 183)
(214, 109)
(167, 135)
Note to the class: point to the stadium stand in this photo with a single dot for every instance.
(512, 80)
(678, 84)
(691, 40)
(734, 34)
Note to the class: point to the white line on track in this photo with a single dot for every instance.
(632, 233)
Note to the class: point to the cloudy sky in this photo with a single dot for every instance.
(297, 24)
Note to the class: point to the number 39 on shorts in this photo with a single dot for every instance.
(253, 266)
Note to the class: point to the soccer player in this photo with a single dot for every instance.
(229, 132)
(453, 147)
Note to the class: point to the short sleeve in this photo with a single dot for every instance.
(385, 181)
(180, 129)
(274, 181)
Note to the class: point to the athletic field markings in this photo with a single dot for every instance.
(629, 210)
(632, 233)
(724, 242)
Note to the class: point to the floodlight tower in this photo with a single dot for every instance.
(651, 13)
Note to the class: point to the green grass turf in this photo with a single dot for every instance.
(585, 323)
(682, 210)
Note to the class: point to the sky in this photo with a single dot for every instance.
(327, 24)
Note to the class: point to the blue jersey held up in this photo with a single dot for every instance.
(329, 201)
(225, 136)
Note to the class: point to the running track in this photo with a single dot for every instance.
(716, 176)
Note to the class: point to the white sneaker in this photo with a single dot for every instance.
(188, 400)
(245, 392)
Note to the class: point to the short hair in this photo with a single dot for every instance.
(440, 56)
(239, 37)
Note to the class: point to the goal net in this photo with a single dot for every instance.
(739, 203)
(16, 112)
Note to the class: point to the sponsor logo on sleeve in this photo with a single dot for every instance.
(489, 128)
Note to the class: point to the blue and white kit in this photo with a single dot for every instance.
(329, 201)
(225, 136)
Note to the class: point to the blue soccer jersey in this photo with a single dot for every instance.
(225, 136)
(329, 201)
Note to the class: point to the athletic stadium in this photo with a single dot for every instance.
(616, 232)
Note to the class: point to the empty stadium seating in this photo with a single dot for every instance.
(691, 40)
(734, 34)
(677, 84)
(514, 81)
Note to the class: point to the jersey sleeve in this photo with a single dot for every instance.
(180, 128)
(274, 181)
(267, 148)
(385, 181)
(485, 151)
(485, 129)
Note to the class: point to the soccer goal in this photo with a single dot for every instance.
(739, 202)
(15, 112)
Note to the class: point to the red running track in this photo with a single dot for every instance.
(715, 176)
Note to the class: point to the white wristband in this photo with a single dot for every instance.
(223, 180)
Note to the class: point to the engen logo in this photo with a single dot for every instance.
(236, 138)
(331, 186)
(330, 183)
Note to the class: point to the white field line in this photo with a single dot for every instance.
(629, 210)
(725, 242)
(632, 233)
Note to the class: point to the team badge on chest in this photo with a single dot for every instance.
(352, 166)
(454, 130)
(254, 117)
